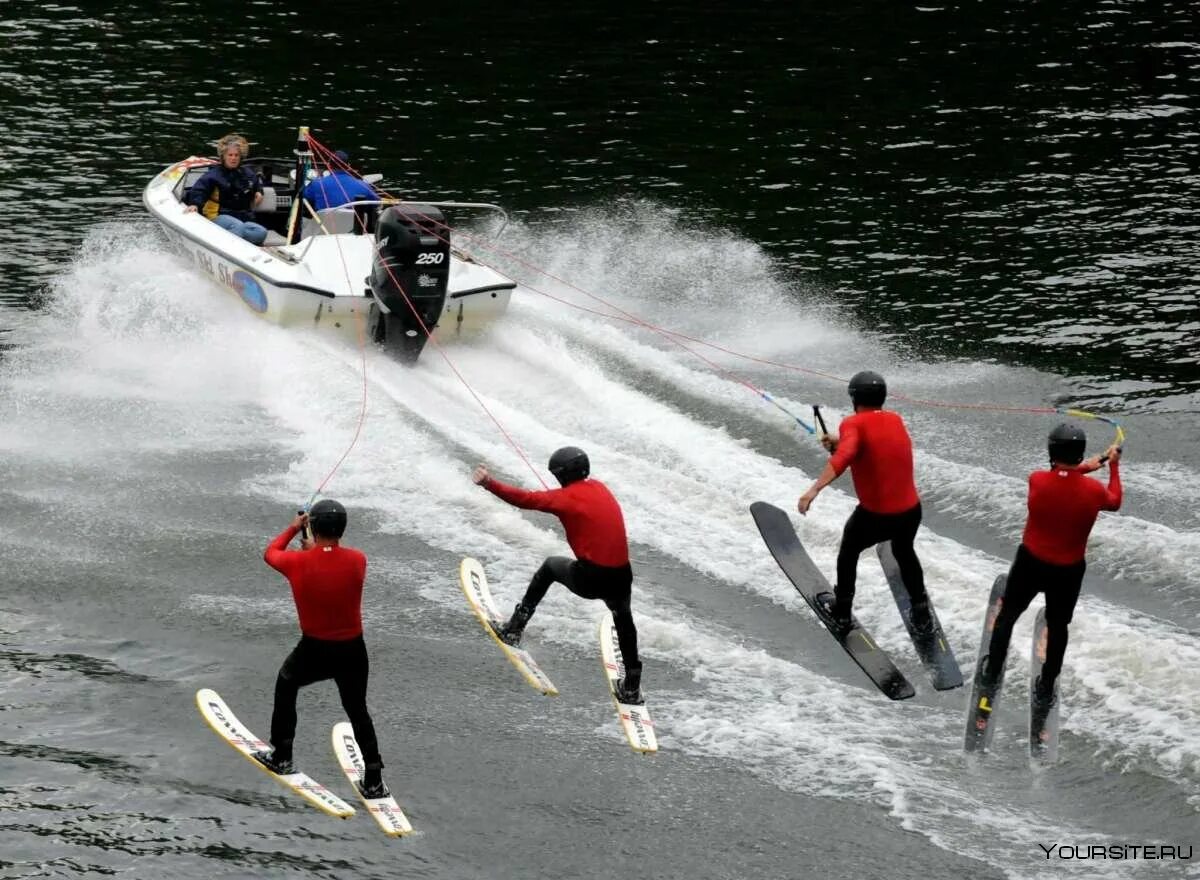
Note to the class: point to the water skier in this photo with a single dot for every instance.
(874, 444)
(1063, 507)
(595, 530)
(327, 584)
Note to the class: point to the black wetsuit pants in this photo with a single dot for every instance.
(314, 660)
(1028, 577)
(612, 585)
(865, 529)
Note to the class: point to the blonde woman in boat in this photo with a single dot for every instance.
(227, 193)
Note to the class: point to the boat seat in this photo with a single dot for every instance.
(336, 221)
(189, 177)
(269, 202)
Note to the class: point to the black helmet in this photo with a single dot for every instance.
(867, 389)
(570, 464)
(327, 518)
(1066, 444)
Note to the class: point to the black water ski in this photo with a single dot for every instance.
(1043, 724)
(931, 644)
(781, 539)
(980, 709)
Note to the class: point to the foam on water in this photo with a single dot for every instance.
(164, 363)
(1120, 542)
(684, 486)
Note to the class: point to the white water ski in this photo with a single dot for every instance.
(222, 720)
(635, 719)
(385, 811)
(475, 586)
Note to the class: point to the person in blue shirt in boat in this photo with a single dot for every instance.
(227, 193)
(338, 186)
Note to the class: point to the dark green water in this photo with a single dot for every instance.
(980, 181)
(991, 203)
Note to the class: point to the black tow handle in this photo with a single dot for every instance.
(306, 529)
(820, 419)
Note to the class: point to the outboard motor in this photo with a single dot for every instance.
(410, 273)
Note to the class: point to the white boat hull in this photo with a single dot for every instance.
(320, 281)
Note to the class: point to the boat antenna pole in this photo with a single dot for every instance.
(303, 163)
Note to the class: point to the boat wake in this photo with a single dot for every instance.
(147, 359)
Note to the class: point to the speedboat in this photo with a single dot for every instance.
(385, 265)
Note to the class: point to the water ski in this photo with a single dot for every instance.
(783, 542)
(385, 811)
(475, 586)
(982, 705)
(222, 720)
(1043, 720)
(634, 717)
(931, 644)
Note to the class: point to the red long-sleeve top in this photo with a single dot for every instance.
(876, 447)
(327, 584)
(590, 516)
(1063, 506)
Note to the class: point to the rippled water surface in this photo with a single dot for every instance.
(993, 204)
(1009, 182)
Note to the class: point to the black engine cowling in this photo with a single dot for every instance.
(409, 276)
